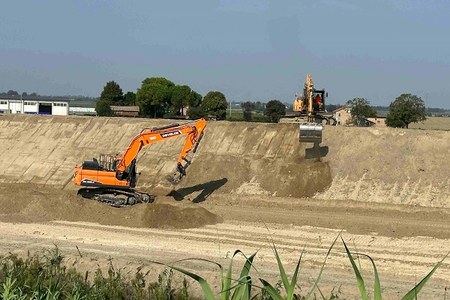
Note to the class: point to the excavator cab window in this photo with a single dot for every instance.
(91, 165)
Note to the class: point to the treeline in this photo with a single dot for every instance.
(158, 97)
(404, 110)
(429, 110)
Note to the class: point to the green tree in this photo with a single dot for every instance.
(360, 108)
(129, 99)
(275, 109)
(247, 108)
(406, 109)
(259, 106)
(103, 108)
(215, 104)
(112, 93)
(331, 107)
(195, 99)
(180, 98)
(12, 93)
(195, 112)
(154, 96)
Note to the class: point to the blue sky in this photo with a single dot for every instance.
(254, 50)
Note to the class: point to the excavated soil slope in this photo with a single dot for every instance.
(363, 164)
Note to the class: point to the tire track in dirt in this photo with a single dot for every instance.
(287, 240)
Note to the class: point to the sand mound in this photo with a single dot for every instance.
(33, 203)
(169, 216)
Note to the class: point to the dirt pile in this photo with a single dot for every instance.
(33, 203)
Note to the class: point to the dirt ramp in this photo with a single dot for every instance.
(32, 203)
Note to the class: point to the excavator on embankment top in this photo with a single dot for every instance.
(112, 179)
(310, 113)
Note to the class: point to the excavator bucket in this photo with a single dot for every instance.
(316, 151)
(310, 133)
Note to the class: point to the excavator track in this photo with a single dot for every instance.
(116, 197)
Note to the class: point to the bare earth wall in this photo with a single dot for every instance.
(364, 164)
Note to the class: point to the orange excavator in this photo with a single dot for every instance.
(112, 179)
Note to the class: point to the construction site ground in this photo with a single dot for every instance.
(386, 191)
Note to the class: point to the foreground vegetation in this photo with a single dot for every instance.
(45, 276)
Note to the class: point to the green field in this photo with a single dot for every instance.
(432, 123)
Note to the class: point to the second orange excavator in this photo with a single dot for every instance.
(112, 179)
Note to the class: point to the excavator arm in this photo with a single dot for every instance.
(192, 131)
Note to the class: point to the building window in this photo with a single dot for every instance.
(29, 103)
(3, 102)
(59, 104)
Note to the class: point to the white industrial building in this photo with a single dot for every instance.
(34, 105)
(90, 111)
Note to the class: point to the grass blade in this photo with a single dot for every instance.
(290, 295)
(412, 294)
(271, 290)
(359, 279)
(244, 283)
(316, 282)
(376, 284)
(226, 281)
(207, 291)
(283, 276)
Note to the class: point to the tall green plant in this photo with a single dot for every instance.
(289, 287)
(411, 295)
(241, 287)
